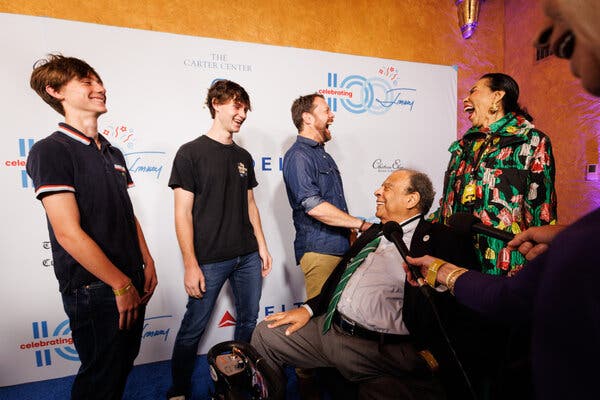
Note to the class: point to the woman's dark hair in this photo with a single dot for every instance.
(510, 101)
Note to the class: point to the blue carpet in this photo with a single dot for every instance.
(146, 382)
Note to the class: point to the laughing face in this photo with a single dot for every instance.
(230, 115)
(322, 118)
(394, 201)
(479, 103)
(82, 95)
(574, 34)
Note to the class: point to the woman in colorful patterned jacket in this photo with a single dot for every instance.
(501, 170)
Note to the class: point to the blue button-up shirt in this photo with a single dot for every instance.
(311, 178)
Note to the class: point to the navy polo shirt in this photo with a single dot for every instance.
(69, 161)
(312, 177)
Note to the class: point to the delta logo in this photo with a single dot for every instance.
(24, 146)
(48, 343)
(227, 320)
(139, 163)
(376, 95)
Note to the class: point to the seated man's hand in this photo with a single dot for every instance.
(297, 318)
(534, 241)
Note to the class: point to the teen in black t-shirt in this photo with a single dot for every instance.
(218, 228)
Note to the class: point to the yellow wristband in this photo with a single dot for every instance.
(433, 270)
(123, 290)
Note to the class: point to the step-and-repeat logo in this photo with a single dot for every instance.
(157, 328)
(19, 163)
(229, 320)
(47, 260)
(375, 95)
(47, 343)
(144, 162)
(386, 165)
(217, 60)
(268, 163)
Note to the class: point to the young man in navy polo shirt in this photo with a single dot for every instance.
(105, 271)
(218, 228)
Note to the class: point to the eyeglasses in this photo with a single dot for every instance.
(562, 47)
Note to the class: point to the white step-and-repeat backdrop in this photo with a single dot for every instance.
(388, 114)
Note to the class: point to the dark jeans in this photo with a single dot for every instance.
(106, 353)
(244, 275)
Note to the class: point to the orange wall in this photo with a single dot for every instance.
(412, 30)
(560, 107)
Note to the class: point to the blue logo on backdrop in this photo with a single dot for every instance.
(157, 327)
(20, 163)
(272, 309)
(268, 163)
(60, 341)
(376, 95)
(146, 162)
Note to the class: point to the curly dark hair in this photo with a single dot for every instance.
(223, 90)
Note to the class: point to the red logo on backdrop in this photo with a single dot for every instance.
(227, 320)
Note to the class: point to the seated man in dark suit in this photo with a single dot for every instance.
(374, 326)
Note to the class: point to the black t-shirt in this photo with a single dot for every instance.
(219, 176)
(69, 161)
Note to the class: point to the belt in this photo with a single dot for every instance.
(352, 328)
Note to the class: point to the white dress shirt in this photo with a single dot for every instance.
(374, 295)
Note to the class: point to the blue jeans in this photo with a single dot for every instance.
(106, 353)
(244, 275)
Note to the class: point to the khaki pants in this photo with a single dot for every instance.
(317, 267)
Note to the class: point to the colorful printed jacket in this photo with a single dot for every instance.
(504, 175)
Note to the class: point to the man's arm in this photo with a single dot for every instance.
(300, 180)
(64, 217)
(330, 215)
(150, 278)
(193, 279)
(263, 251)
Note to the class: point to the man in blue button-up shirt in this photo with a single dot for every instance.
(316, 195)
